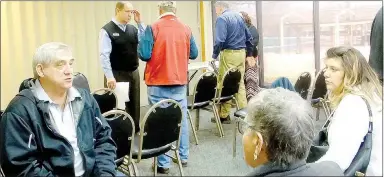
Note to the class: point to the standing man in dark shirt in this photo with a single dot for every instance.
(118, 54)
(233, 42)
(376, 54)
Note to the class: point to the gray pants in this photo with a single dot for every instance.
(133, 106)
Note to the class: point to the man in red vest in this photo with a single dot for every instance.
(166, 46)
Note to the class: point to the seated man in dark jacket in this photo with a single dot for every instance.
(278, 135)
(52, 128)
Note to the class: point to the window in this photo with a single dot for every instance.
(346, 23)
(288, 39)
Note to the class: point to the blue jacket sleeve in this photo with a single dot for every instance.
(194, 52)
(19, 151)
(146, 44)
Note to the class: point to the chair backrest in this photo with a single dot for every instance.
(318, 88)
(205, 89)
(230, 83)
(303, 83)
(80, 81)
(106, 99)
(123, 133)
(26, 84)
(161, 125)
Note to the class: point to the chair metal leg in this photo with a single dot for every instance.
(234, 136)
(179, 162)
(218, 122)
(155, 166)
(197, 119)
(317, 113)
(193, 127)
(135, 170)
(237, 104)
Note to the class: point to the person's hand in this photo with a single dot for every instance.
(111, 83)
(136, 16)
(251, 61)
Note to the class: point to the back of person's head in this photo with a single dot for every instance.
(347, 71)
(246, 18)
(167, 6)
(280, 128)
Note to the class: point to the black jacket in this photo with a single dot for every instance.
(30, 145)
(299, 169)
(376, 53)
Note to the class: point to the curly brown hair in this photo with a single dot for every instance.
(246, 17)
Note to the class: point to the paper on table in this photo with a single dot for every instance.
(122, 93)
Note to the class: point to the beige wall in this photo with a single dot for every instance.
(26, 25)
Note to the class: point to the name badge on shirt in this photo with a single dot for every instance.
(115, 34)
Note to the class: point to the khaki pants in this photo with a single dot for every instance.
(230, 59)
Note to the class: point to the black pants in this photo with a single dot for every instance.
(133, 106)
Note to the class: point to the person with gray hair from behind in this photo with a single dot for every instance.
(278, 134)
(53, 128)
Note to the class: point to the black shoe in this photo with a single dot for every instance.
(161, 170)
(226, 120)
(184, 163)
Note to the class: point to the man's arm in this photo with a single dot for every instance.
(194, 52)
(221, 36)
(141, 30)
(248, 41)
(105, 147)
(146, 45)
(18, 149)
(105, 49)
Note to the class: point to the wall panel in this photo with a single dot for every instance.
(25, 25)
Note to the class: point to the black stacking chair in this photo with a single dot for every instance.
(1, 172)
(318, 94)
(123, 134)
(80, 81)
(159, 129)
(228, 87)
(106, 99)
(303, 84)
(202, 96)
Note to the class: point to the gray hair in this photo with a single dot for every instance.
(223, 4)
(285, 121)
(47, 53)
(167, 6)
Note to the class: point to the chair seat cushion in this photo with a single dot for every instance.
(148, 153)
(196, 105)
(241, 113)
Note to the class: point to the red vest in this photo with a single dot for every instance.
(170, 54)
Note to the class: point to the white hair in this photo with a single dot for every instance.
(285, 120)
(223, 4)
(47, 53)
(167, 6)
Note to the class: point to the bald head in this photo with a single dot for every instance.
(123, 11)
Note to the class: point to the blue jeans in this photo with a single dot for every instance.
(179, 94)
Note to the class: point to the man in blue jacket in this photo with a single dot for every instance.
(52, 128)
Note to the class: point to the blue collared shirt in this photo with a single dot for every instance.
(231, 33)
(105, 46)
(146, 44)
